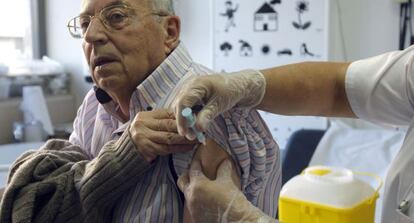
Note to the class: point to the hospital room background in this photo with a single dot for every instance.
(43, 75)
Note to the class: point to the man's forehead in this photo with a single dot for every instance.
(93, 6)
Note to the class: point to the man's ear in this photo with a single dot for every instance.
(172, 26)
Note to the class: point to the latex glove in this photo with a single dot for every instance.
(154, 133)
(218, 93)
(219, 200)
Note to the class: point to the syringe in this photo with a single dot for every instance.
(187, 113)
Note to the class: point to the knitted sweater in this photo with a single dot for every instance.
(58, 183)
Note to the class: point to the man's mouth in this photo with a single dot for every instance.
(102, 61)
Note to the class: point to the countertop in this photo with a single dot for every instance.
(9, 153)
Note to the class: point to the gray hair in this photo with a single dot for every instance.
(166, 6)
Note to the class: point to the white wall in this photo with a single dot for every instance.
(62, 47)
(370, 27)
(197, 29)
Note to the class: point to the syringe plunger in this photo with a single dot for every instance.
(187, 113)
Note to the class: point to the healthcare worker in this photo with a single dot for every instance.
(378, 89)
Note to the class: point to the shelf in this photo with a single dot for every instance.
(62, 109)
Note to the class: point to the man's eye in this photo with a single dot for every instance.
(84, 23)
(116, 17)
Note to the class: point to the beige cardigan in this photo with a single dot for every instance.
(59, 183)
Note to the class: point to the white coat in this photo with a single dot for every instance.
(381, 90)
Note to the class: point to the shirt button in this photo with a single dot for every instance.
(403, 207)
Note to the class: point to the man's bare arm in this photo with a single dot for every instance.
(210, 157)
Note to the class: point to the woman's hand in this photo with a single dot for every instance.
(219, 200)
(217, 94)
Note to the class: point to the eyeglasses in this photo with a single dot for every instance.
(113, 17)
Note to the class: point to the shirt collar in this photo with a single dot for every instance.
(156, 86)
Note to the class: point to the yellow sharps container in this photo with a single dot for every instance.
(328, 195)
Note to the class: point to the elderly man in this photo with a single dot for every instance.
(124, 155)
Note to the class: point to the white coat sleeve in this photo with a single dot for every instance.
(381, 89)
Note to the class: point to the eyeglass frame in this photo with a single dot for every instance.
(104, 21)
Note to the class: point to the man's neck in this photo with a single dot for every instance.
(123, 102)
(124, 113)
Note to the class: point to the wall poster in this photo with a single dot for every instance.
(266, 33)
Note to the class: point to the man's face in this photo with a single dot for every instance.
(120, 59)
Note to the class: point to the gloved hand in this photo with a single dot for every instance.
(218, 93)
(219, 200)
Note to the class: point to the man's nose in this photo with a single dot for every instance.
(95, 34)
